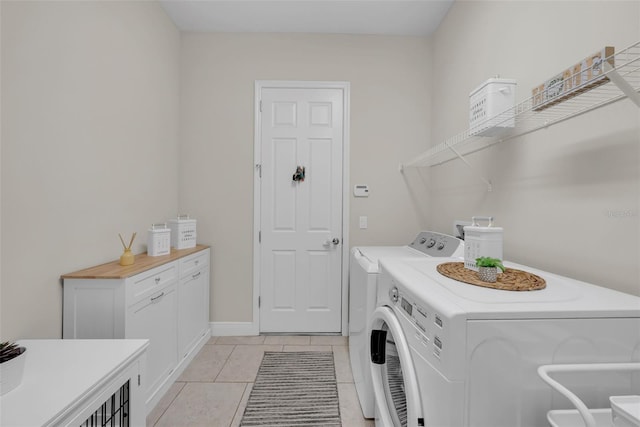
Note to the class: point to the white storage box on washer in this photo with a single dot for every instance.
(158, 240)
(481, 241)
(183, 232)
(491, 107)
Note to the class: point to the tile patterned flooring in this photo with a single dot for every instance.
(214, 389)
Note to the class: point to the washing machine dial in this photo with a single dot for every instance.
(393, 294)
(431, 243)
(422, 240)
(440, 246)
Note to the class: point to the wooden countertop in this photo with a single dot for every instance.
(143, 262)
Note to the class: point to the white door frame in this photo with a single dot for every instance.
(257, 156)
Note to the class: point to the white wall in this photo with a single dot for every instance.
(89, 144)
(390, 103)
(568, 196)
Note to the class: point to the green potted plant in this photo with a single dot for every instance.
(488, 268)
(11, 366)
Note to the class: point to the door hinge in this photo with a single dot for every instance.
(138, 379)
(258, 302)
(259, 236)
(259, 167)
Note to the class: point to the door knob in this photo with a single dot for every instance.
(335, 241)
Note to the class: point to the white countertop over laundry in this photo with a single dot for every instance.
(62, 376)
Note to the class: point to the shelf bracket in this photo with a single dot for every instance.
(461, 157)
(622, 84)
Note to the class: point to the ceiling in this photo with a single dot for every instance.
(382, 17)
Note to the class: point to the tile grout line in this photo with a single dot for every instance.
(236, 415)
(225, 362)
(170, 403)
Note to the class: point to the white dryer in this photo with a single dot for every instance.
(363, 274)
(449, 354)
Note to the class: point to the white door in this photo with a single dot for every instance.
(301, 219)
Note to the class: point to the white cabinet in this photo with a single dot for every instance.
(154, 318)
(163, 299)
(193, 302)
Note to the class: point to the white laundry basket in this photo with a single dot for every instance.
(572, 418)
(621, 415)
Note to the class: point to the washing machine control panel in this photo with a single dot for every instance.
(437, 244)
(429, 326)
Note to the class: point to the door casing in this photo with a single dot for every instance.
(257, 196)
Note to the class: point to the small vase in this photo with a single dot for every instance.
(11, 372)
(488, 274)
(127, 257)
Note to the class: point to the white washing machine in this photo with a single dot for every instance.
(449, 354)
(363, 274)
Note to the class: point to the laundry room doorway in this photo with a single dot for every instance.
(300, 206)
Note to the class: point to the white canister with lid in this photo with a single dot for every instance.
(481, 241)
(158, 240)
(183, 232)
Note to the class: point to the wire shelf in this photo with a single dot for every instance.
(620, 81)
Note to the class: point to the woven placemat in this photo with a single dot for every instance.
(511, 280)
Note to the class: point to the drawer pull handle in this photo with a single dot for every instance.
(196, 275)
(157, 280)
(159, 296)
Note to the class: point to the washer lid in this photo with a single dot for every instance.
(562, 298)
(368, 256)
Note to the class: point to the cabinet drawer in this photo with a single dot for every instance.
(144, 284)
(191, 263)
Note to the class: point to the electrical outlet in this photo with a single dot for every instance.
(458, 231)
(363, 222)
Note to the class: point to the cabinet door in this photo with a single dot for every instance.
(193, 310)
(155, 319)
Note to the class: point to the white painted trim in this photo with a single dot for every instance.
(346, 93)
(234, 329)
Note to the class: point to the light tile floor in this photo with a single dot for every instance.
(214, 389)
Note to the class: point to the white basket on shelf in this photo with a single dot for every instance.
(491, 107)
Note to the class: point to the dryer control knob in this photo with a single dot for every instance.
(440, 246)
(431, 243)
(393, 294)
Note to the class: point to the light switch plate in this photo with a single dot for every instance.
(363, 222)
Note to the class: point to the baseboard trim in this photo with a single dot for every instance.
(226, 329)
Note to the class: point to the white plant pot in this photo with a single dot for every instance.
(11, 373)
(488, 274)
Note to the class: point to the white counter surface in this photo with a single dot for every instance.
(58, 373)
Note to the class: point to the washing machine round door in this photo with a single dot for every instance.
(395, 384)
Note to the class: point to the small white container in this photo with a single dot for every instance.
(491, 107)
(11, 373)
(159, 240)
(481, 241)
(183, 232)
